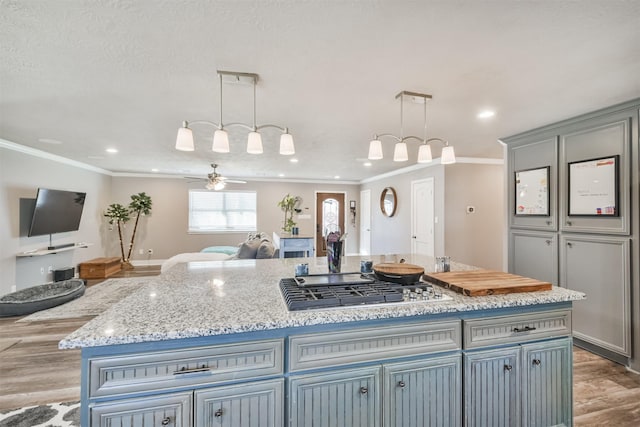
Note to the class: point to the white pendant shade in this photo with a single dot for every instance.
(375, 150)
(424, 154)
(286, 144)
(254, 143)
(220, 141)
(448, 156)
(184, 140)
(400, 152)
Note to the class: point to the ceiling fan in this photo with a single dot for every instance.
(215, 181)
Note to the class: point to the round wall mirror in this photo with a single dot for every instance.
(388, 201)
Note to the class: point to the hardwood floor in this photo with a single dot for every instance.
(34, 371)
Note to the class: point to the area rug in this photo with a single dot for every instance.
(96, 299)
(51, 415)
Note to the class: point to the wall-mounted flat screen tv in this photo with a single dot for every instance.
(56, 211)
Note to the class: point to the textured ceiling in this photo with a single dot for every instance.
(125, 74)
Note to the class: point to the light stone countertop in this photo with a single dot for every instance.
(210, 298)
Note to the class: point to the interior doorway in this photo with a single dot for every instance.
(330, 212)
(365, 222)
(422, 217)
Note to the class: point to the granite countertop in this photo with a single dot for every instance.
(209, 298)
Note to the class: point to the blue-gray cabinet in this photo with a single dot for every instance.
(346, 398)
(172, 410)
(256, 404)
(522, 385)
(423, 393)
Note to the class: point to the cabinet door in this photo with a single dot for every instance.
(348, 398)
(167, 410)
(547, 384)
(537, 152)
(606, 136)
(534, 254)
(492, 388)
(423, 393)
(256, 404)
(599, 267)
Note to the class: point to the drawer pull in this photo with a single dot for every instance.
(364, 390)
(569, 223)
(548, 222)
(218, 413)
(166, 421)
(508, 368)
(185, 370)
(401, 384)
(548, 242)
(536, 362)
(525, 329)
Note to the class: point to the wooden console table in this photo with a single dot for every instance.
(286, 242)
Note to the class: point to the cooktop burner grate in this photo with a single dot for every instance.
(299, 297)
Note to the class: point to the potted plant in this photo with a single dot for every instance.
(288, 205)
(140, 205)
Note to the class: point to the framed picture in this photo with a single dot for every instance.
(593, 187)
(532, 192)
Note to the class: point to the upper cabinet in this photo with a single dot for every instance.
(595, 175)
(533, 177)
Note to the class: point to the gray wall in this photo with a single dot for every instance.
(20, 176)
(475, 239)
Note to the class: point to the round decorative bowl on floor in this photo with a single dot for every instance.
(41, 297)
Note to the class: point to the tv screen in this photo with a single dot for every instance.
(56, 211)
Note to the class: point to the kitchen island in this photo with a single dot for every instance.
(213, 343)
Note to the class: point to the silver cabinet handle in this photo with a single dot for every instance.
(185, 370)
(364, 390)
(401, 384)
(569, 223)
(548, 242)
(218, 413)
(549, 223)
(536, 362)
(508, 368)
(525, 329)
(569, 244)
(166, 421)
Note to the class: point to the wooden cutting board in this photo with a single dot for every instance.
(398, 268)
(485, 282)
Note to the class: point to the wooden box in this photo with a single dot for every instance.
(100, 268)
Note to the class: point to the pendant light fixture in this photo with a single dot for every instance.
(184, 140)
(400, 152)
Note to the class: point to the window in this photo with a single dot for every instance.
(220, 211)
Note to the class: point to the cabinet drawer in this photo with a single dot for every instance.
(345, 347)
(179, 368)
(173, 410)
(516, 329)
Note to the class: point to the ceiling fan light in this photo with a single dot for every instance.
(424, 154)
(448, 156)
(400, 153)
(375, 150)
(220, 141)
(254, 143)
(286, 144)
(184, 140)
(218, 185)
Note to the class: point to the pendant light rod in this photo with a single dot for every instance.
(184, 140)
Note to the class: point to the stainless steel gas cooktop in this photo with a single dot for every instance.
(351, 289)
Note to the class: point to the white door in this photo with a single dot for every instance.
(365, 222)
(422, 238)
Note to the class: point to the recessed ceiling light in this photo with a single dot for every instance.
(49, 141)
(111, 150)
(281, 175)
(486, 114)
(293, 160)
(336, 177)
(367, 164)
(155, 170)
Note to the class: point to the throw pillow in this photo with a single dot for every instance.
(265, 250)
(248, 249)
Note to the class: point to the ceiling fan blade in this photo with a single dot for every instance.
(235, 181)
